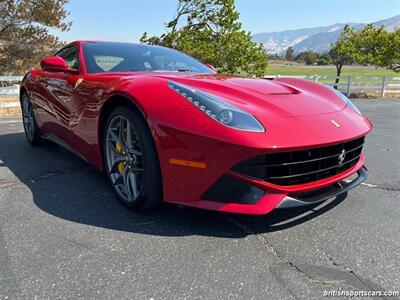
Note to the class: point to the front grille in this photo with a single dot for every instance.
(299, 167)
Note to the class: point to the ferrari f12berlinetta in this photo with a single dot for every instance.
(165, 127)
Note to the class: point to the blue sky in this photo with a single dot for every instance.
(126, 20)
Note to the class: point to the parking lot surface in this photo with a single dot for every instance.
(64, 235)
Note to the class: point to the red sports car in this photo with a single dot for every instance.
(165, 127)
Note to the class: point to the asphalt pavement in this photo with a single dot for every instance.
(64, 235)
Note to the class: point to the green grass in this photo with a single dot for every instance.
(346, 71)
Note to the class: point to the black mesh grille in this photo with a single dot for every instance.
(298, 167)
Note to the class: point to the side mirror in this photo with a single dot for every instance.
(212, 67)
(56, 64)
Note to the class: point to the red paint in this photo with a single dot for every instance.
(56, 64)
(296, 114)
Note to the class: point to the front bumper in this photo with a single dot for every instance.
(274, 196)
(219, 150)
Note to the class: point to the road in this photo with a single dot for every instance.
(64, 235)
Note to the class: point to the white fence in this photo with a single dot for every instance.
(9, 86)
(384, 85)
(381, 85)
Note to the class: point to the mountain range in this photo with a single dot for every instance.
(316, 39)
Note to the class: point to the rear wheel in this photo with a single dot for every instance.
(131, 160)
(30, 126)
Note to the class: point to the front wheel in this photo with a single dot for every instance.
(131, 160)
(28, 118)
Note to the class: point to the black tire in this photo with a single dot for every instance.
(150, 194)
(31, 130)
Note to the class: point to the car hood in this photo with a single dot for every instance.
(281, 97)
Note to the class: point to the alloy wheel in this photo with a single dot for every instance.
(124, 158)
(27, 114)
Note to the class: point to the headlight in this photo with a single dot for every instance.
(346, 100)
(218, 109)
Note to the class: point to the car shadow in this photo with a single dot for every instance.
(66, 187)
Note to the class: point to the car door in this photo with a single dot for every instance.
(63, 100)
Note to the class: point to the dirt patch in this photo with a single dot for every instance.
(374, 96)
(10, 112)
(8, 99)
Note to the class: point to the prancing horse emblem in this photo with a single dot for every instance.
(341, 157)
(78, 82)
(335, 123)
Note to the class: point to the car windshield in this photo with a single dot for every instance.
(103, 57)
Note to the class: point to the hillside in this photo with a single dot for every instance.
(316, 39)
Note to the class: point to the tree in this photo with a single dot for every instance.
(323, 59)
(369, 45)
(25, 32)
(309, 57)
(394, 62)
(378, 47)
(210, 31)
(322, 62)
(290, 53)
(343, 51)
(274, 56)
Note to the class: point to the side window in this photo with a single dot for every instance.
(71, 56)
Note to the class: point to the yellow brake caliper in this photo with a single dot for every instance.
(121, 164)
